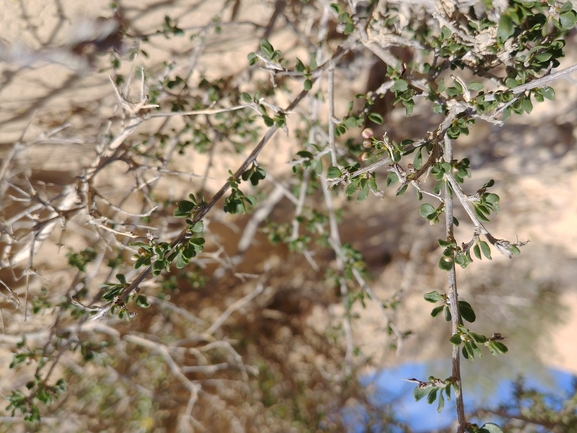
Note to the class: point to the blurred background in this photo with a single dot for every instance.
(250, 336)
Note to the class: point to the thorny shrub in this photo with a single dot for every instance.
(456, 64)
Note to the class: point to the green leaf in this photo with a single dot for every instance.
(445, 32)
(448, 391)
(43, 396)
(402, 190)
(305, 154)
(193, 199)
(441, 404)
(400, 86)
(313, 64)
(480, 214)
(433, 297)
(141, 261)
(444, 264)
(437, 310)
(511, 82)
(364, 194)
(376, 118)
(157, 267)
(565, 8)
(199, 242)
(18, 359)
(475, 86)
(549, 93)
(496, 347)
(543, 57)
(527, 105)
(373, 184)
(492, 198)
(477, 251)
(61, 385)
(492, 201)
(419, 393)
(181, 261)
(485, 249)
(490, 428)
(432, 396)
(409, 105)
(467, 312)
(349, 28)
(184, 209)
(458, 86)
(538, 96)
(245, 97)
(336, 8)
(333, 172)
(300, 67)
(142, 301)
(308, 85)
(266, 48)
(455, 340)
(427, 209)
(462, 260)
(418, 159)
(489, 184)
(478, 338)
(252, 58)
(454, 91)
(506, 28)
(467, 351)
(391, 179)
(198, 227)
(268, 121)
(514, 250)
(567, 20)
(476, 350)
(189, 252)
(352, 187)
(441, 87)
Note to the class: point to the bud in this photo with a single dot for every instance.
(367, 133)
(367, 143)
(364, 156)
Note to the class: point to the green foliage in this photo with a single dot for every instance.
(435, 390)
(255, 174)
(187, 208)
(364, 183)
(169, 29)
(465, 310)
(471, 342)
(521, 44)
(39, 393)
(81, 259)
(237, 201)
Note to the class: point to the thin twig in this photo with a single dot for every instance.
(538, 82)
(331, 96)
(454, 302)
